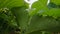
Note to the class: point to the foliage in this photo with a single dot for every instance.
(42, 18)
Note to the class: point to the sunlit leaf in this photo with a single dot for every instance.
(55, 1)
(11, 3)
(39, 5)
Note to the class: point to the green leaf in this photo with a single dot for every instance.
(43, 8)
(11, 3)
(21, 16)
(36, 32)
(26, 4)
(43, 23)
(7, 21)
(40, 32)
(55, 1)
(52, 12)
(39, 5)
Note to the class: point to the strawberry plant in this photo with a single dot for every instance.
(43, 17)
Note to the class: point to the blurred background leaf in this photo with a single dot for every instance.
(11, 3)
